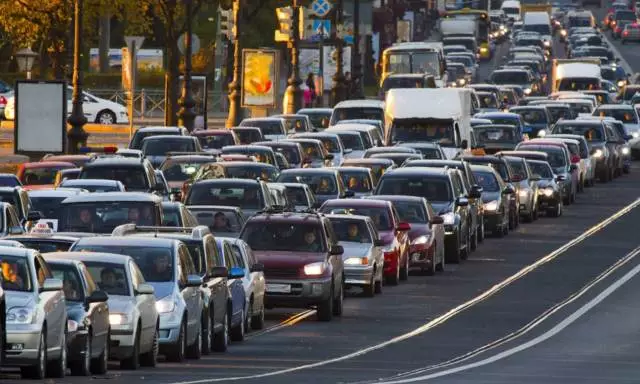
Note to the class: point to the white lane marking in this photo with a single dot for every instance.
(292, 320)
(545, 336)
(623, 62)
(520, 332)
(441, 319)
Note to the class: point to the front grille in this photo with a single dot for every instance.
(281, 273)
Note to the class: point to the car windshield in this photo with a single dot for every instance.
(579, 84)
(432, 189)
(359, 113)
(312, 151)
(318, 120)
(40, 175)
(487, 180)
(590, 132)
(510, 77)
(104, 216)
(430, 153)
(133, 178)
(518, 168)
(320, 184)
(351, 230)
(356, 181)
(266, 126)
(216, 141)
(555, 156)
(541, 169)
(423, 130)
(156, 263)
(48, 206)
(110, 277)
(495, 135)
(627, 116)
(9, 181)
(509, 96)
(488, 101)
(180, 171)
(248, 136)
(503, 121)
(138, 138)
(251, 172)
(290, 152)
(15, 274)
(233, 195)
(291, 236)
(171, 217)
(402, 82)
(92, 187)
(380, 215)
(351, 141)
(295, 124)
(218, 221)
(297, 196)
(411, 212)
(543, 29)
(71, 283)
(532, 116)
(161, 147)
(331, 144)
(44, 245)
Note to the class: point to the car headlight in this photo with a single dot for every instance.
(462, 81)
(523, 193)
(598, 153)
(635, 135)
(20, 315)
(563, 33)
(547, 43)
(449, 218)
(491, 206)
(625, 150)
(483, 50)
(542, 133)
(357, 261)
(420, 240)
(548, 192)
(315, 269)
(165, 305)
(621, 83)
(118, 319)
(527, 91)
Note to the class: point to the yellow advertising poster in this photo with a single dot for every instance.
(259, 78)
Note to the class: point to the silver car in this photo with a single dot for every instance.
(359, 180)
(527, 187)
(585, 155)
(36, 315)
(134, 320)
(363, 257)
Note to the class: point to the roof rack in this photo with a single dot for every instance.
(197, 232)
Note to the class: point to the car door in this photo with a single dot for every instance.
(145, 305)
(614, 145)
(235, 286)
(99, 312)
(241, 260)
(53, 304)
(259, 282)
(91, 106)
(376, 251)
(191, 295)
(217, 285)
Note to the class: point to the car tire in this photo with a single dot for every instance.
(221, 339)
(257, 322)
(464, 255)
(481, 231)
(404, 270)
(325, 308)
(441, 265)
(395, 279)
(150, 358)
(453, 256)
(237, 332)
(248, 318)
(39, 370)
(369, 289)
(338, 304)
(58, 368)
(513, 218)
(133, 362)
(207, 330)
(179, 350)
(100, 365)
(194, 351)
(106, 117)
(474, 240)
(378, 283)
(83, 367)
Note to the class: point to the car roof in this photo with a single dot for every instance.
(159, 129)
(57, 192)
(113, 196)
(359, 203)
(17, 252)
(90, 182)
(302, 171)
(48, 164)
(392, 198)
(360, 103)
(102, 257)
(347, 217)
(416, 171)
(614, 106)
(227, 181)
(369, 160)
(286, 217)
(114, 160)
(127, 241)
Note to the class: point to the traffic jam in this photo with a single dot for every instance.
(181, 243)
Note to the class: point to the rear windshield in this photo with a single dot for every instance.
(627, 116)
(515, 77)
(133, 178)
(154, 147)
(136, 143)
(267, 127)
(432, 189)
(234, 195)
(216, 141)
(590, 132)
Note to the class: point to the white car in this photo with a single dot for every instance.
(96, 110)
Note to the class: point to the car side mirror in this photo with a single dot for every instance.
(98, 297)
(378, 243)
(145, 289)
(628, 137)
(236, 273)
(508, 190)
(573, 167)
(217, 272)
(329, 156)
(403, 226)
(34, 216)
(348, 150)
(257, 267)
(462, 202)
(436, 220)
(336, 250)
(15, 230)
(561, 178)
(476, 192)
(349, 194)
(51, 285)
(464, 144)
(194, 281)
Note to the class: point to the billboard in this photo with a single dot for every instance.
(148, 59)
(260, 69)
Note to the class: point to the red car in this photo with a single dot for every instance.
(393, 232)
(41, 174)
(78, 160)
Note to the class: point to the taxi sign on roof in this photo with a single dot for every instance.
(42, 229)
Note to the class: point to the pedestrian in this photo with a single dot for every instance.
(311, 84)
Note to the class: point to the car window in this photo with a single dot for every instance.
(185, 265)
(16, 274)
(71, 281)
(237, 253)
(211, 253)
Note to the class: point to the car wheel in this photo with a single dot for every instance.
(474, 240)
(512, 220)
(58, 368)
(106, 117)
(481, 231)
(378, 283)
(100, 365)
(467, 248)
(404, 271)
(207, 340)
(432, 269)
(395, 279)
(83, 367)
(39, 370)
(258, 320)
(221, 339)
(325, 309)
(194, 351)
(369, 289)
(177, 353)
(150, 358)
(441, 265)
(338, 304)
(237, 332)
(453, 252)
(247, 321)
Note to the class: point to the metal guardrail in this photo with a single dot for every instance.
(151, 102)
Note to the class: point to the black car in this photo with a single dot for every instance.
(437, 186)
(88, 346)
(249, 195)
(495, 199)
(497, 137)
(136, 175)
(549, 192)
(156, 149)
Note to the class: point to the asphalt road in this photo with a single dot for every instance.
(630, 52)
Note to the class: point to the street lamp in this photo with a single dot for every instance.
(77, 135)
(26, 57)
(358, 92)
(186, 114)
(235, 113)
(294, 93)
(339, 89)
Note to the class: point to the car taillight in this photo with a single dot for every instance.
(3, 100)
(626, 33)
(575, 159)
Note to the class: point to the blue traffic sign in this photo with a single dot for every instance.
(321, 8)
(322, 28)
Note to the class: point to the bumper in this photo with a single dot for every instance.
(421, 256)
(391, 260)
(303, 293)
(170, 327)
(360, 275)
(23, 343)
(546, 202)
(121, 343)
(492, 220)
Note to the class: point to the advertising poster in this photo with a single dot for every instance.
(259, 78)
(309, 62)
(329, 64)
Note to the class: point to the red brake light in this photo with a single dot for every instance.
(3, 100)
(575, 159)
(626, 33)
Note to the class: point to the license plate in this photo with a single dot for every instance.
(279, 288)
(16, 347)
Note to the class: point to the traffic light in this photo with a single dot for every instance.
(227, 26)
(285, 24)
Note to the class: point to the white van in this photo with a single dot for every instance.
(539, 22)
(512, 10)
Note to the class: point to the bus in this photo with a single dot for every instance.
(484, 28)
(426, 58)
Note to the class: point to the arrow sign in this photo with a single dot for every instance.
(138, 40)
(321, 8)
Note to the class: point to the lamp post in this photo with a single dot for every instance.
(294, 93)
(358, 92)
(26, 57)
(235, 113)
(339, 89)
(77, 135)
(186, 114)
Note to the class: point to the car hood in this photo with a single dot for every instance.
(442, 207)
(163, 289)
(543, 183)
(631, 127)
(353, 249)
(490, 196)
(387, 236)
(120, 304)
(18, 299)
(354, 155)
(418, 229)
(281, 259)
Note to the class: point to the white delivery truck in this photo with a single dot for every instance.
(575, 75)
(441, 115)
